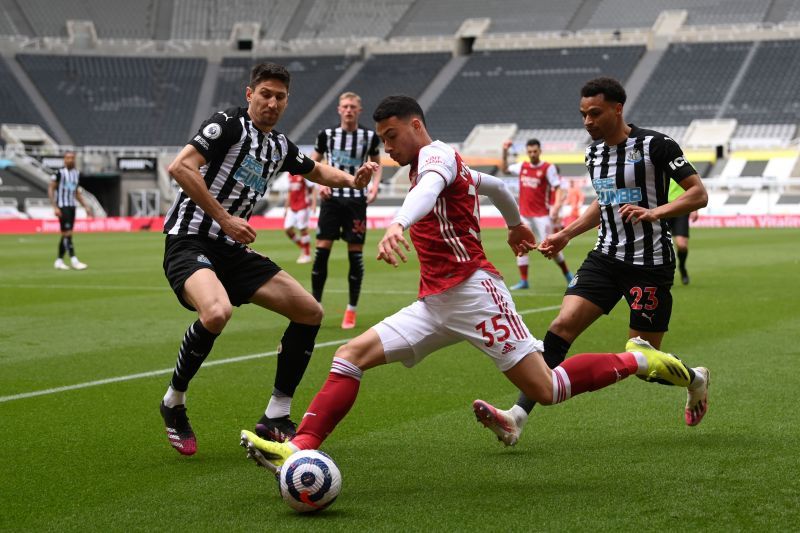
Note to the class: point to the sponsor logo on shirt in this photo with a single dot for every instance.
(203, 259)
(608, 194)
(249, 174)
(343, 158)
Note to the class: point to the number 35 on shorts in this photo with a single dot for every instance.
(493, 330)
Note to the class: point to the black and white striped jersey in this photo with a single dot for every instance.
(240, 163)
(635, 171)
(347, 150)
(67, 181)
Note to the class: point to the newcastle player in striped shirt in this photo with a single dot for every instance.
(63, 191)
(343, 211)
(223, 171)
(630, 169)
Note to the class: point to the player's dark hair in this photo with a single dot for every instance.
(610, 88)
(533, 142)
(399, 106)
(269, 71)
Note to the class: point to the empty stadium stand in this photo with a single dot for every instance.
(214, 19)
(533, 88)
(352, 18)
(690, 82)
(381, 76)
(636, 14)
(119, 100)
(112, 18)
(311, 78)
(444, 17)
(15, 106)
(770, 90)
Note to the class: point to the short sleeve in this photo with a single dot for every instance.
(515, 168)
(321, 144)
(668, 156)
(552, 176)
(295, 161)
(55, 177)
(433, 158)
(374, 147)
(216, 135)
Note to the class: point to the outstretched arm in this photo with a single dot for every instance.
(552, 244)
(520, 236)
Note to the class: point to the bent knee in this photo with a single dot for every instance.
(216, 316)
(315, 313)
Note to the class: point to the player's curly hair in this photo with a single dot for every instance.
(269, 71)
(399, 106)
(610, 88)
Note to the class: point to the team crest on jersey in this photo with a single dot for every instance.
(634, 156)
(212, 131)
(203, 259)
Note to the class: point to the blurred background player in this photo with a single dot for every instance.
(679, 227)
(630, 169)
(461, 294)
(301, 202)
(536, 179)
(575, 198)
(223, 172)
(63, 191)
(343, 210)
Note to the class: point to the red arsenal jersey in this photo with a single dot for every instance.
(298, 193)
(447, 239)
(535, 183)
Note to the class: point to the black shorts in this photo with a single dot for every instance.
(67, 220)
(240, 270)
(679, 226)
(343, 217)
(603, 281)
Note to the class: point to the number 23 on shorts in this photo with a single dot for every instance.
(649, 293)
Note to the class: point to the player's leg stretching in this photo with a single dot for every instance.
(284, 295)
(530, 373)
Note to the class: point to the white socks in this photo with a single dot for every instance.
(173, 397)
(519, 415)
(278, 406)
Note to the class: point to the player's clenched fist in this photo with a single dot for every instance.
(364, 174)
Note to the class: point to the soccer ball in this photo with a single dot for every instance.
(309, 481)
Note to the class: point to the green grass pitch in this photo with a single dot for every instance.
(413, 457)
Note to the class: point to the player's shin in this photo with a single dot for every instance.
(555, 351)
(319, 272)
(591, 371)
(355, 276)
(330, 405)
(297, 344)
(195, 347)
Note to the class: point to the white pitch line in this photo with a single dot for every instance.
(152, 373)
(164, 371)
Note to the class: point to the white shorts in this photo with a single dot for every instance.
(479, 310)
(541, 226)
(297, 219)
